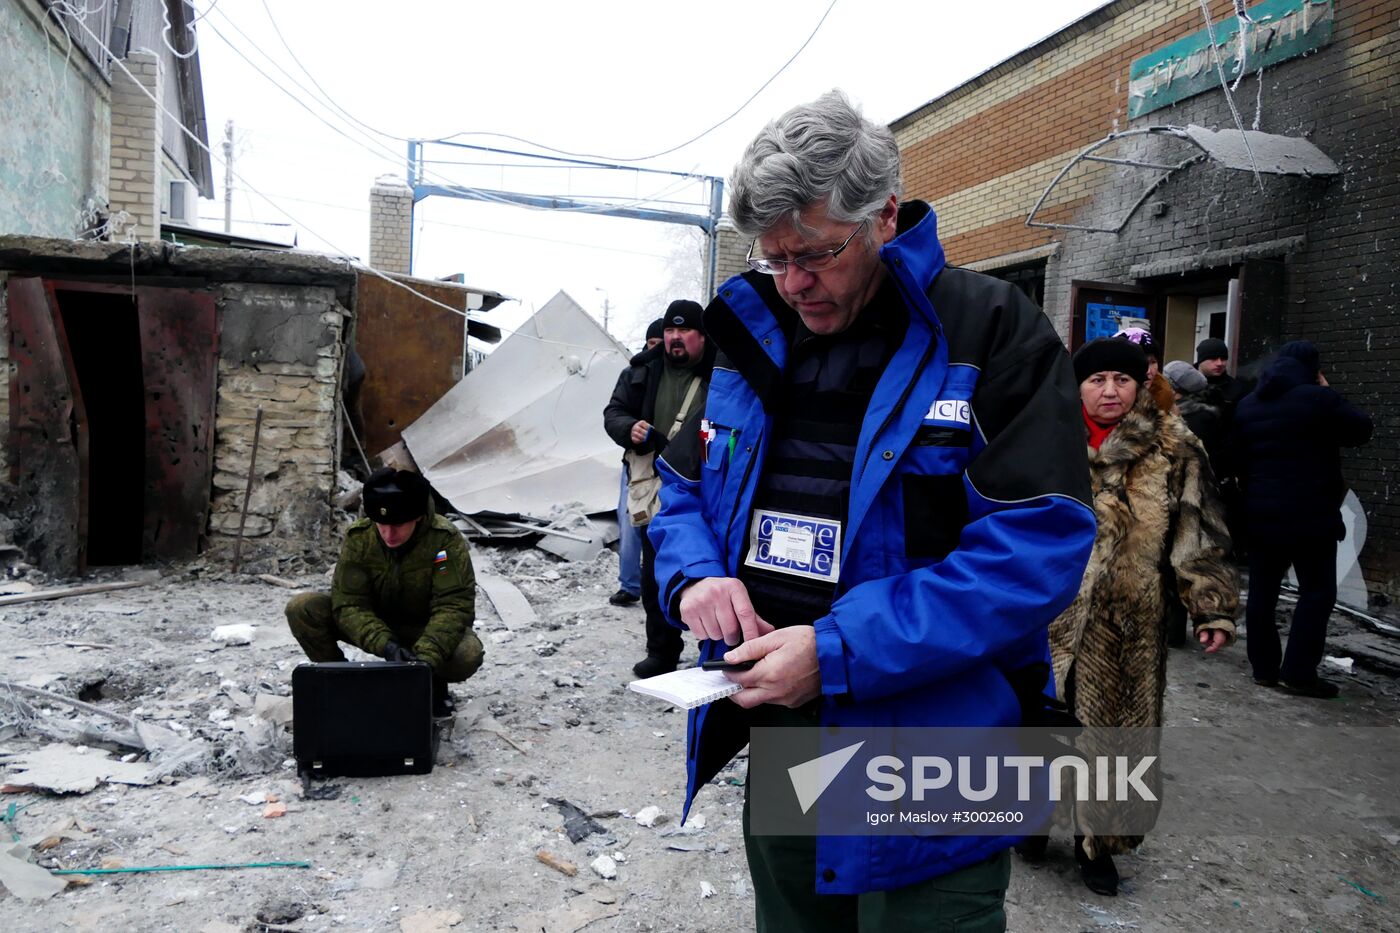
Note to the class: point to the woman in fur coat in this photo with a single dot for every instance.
(1161, 526)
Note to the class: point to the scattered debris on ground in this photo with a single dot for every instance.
(135, 745)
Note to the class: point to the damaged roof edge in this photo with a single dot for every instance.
(51, 256)
(489, 297)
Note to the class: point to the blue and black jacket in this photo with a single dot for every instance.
(967, 532)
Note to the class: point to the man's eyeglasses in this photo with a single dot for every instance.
(810, 262)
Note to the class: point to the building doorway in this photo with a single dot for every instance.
(104, 343)
(111, 419)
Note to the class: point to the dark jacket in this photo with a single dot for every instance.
(1286, 439)
(422, 594)
(1232, 390)
(1202, 412)
(634, 397)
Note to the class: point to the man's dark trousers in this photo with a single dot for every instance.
(1315, 562)
(663, 639)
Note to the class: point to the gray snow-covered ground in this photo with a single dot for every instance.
(548, 716)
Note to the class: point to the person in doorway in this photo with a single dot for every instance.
(1213, 360)
(892, 403)
(629, 540)
(652, 399)
(1287, 437)
(404, 589)
(1161, 536)
(1200, 406)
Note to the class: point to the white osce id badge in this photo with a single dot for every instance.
(796, 545)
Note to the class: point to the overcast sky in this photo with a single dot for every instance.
(616, 80)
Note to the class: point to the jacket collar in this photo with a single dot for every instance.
(751, 324)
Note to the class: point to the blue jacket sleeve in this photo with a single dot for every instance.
(1020, 557)
(686, 547)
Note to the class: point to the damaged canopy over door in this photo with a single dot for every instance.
(523, 431)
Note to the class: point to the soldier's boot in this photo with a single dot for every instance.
(312, 623)
(443, 705)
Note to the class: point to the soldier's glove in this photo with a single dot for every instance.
(393, 651)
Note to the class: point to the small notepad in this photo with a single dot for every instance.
(687, 688)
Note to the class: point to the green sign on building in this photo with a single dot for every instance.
(1281, 29)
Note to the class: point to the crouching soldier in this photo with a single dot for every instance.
(404, 589)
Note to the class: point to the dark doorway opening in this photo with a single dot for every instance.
(104, 340)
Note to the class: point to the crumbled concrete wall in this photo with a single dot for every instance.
(54, 128)
(281, 349)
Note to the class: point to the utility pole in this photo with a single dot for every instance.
(228, 177)
(607, 306)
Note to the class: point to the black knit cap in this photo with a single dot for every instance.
(1109, 354)
(683, 313)
(1305, 352)
(1212, 348)
(393, 497)
(656, 329)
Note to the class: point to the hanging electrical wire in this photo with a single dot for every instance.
(565, 152)
(339, 254)
(380, 150)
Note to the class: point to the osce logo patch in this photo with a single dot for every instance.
(796, 545)
(951, 411)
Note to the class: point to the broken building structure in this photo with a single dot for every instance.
(137, 368)
(137, 374)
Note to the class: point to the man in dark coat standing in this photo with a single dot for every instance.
(1287, 437)
(662, 387)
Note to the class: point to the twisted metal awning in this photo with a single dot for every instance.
(1250, 151)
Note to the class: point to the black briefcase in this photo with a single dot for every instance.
(362, 719)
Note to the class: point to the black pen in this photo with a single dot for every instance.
(726, 666)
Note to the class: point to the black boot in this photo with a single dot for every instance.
(443, 707)
(652, 665)
(1318, 689)
(624, 598)
(1032, 848)
(1100, 874)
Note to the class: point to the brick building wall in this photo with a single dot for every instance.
(1314, 258)
(135, 173)
(391, 226)
(733, 248)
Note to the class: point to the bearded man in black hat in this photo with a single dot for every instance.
(404, 589)
(662, 387)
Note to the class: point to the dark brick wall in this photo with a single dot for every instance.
(1341, 289)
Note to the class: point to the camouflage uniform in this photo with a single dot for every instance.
(422, 595)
